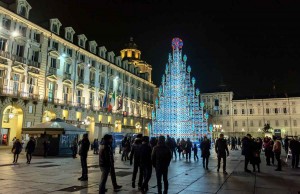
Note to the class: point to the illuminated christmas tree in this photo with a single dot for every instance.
(178, 110)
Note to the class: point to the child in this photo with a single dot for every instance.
(195, 149)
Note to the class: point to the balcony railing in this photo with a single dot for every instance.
(33, 64)
(92, 83)
(80, 80)
(67, 76)
(5, 54)
(52, 71)
(6, 91)
(19, 59)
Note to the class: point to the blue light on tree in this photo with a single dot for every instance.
(178, 111)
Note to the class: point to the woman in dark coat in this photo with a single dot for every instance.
(255, 160)
(16, 150)
(205, 153)
(30, 147)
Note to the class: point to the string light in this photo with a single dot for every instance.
(178, 110)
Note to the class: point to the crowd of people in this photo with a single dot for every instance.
(144, 153)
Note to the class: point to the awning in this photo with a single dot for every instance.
(55, 126)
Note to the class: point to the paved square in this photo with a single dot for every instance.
(59, 175)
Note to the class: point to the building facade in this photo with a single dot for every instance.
(49, 73)
(241, 116)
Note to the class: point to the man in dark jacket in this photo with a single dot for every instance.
(135, 154)
(205, 153)
(221, 149)
(161, 158)
(295, 149)
(83, 152)
(247, 151)
(30, 147)
(106, 163)
(188, 148)
(145, 162)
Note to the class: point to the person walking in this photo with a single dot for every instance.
(161, 157)
(295, 149)
(106, 163)
(30, 147)
(135, 154)
(145, 162)
(247, 150)
(96, 146)
(286, 144)
(277, 152)
(188, 149)
(46, 145)
(83, 152)
(16, 150)
(222, 151)
(183, 144)
(239, 142)
(256, 155)
(179, 148)
(205, 153)
(74, 148)
(195, 150)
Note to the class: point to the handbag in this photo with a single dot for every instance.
(184, 152)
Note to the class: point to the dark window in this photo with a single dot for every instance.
(55, 45)
(251, 111)
(243, 111)
(36, 37)
(69, 51)
(235, 111)
(221, 112)
(69, 36)
(55, 28)
(276, 110)
(23, 30)
(20, 50)
(53, 63)
(268, 111)
(284, 110)
(35, 56)
(82, 58)
(227, 112)
(23, 11)
(81, 42)
(2, 44)
(6, 23)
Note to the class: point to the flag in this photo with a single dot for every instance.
(120, 103)
(104, 105)
(112, 102)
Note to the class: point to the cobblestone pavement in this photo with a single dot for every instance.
(59, 175)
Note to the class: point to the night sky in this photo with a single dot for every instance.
(248, 44)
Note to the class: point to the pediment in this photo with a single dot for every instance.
(18, 68)
(67, 82)
(52, 78)
(81, 86)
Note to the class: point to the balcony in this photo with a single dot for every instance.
(6, 91)
(101, 86)
(92, 83)
(5, 54)
(33, 64)
(67, 76)
(52, 71)
(80, 80)
(19, 59)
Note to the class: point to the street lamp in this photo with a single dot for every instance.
(217, 128)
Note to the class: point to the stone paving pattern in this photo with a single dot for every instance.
(59, 175)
